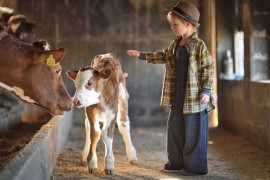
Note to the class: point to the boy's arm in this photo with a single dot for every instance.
(153, 57)
(156, 57)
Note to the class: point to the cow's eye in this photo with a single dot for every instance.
(88, 84)
(58, 71)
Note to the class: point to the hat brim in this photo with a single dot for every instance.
(182, 16)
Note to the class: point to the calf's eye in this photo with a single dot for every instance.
(88, 84)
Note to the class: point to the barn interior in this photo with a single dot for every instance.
(236, 32)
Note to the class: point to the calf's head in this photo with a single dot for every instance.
(89, 85)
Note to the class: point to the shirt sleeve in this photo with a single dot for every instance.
(207, 66)
(206, 91)
(159, 57)
(142, 56)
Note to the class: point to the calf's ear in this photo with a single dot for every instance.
(72, 74)
(105, 73)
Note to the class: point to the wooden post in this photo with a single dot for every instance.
(247, 34)
(208, 34)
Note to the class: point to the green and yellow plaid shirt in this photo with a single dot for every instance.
(200, 74)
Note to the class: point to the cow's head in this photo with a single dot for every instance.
(89, 85)
(33, 74)
(46, 84)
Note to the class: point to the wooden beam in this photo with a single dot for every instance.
(208, 34)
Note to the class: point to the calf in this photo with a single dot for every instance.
(33, 74)
(101, 89)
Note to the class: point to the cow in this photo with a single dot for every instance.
(4, 18)
(101, 89)
(34, 75)
(31, 113)
(5, 14)
(19, 26)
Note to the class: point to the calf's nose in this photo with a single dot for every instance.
(77, 102)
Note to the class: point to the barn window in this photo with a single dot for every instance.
(259, 41)
(238, 42)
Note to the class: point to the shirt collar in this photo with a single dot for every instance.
(193, 37)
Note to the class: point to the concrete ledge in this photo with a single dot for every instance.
(38, 158)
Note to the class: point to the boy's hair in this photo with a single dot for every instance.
(187, 11)
(171, 15)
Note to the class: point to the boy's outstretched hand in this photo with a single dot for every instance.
(204, 98)
(133, 53)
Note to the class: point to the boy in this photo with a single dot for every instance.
(186, 90)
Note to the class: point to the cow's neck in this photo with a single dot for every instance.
(17, 91)
(11, 59)
(11, 74)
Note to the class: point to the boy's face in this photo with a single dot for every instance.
(178, 26)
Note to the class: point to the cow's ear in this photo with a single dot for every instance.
(105, 73)
(72, 74)
(58, 54)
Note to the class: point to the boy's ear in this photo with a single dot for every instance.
(188, 24)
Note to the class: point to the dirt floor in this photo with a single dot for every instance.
(13, 140)
(229, 157)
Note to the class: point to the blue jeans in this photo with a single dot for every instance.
(187, 140)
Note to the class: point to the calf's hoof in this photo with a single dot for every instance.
(109, 172)
(93, 171)
(84, 163)
(134, 162)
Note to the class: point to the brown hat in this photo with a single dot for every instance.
(187, 11)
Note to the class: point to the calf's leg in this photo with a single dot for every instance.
(94, 136)
(107, 137)
(87, 141)
(124, 128)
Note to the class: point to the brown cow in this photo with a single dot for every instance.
(101, 89)
(19, 26)
(33, 74)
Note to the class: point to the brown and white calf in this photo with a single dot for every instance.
(101, 89)
(34, 75)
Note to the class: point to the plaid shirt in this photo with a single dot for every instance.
(200, 74)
